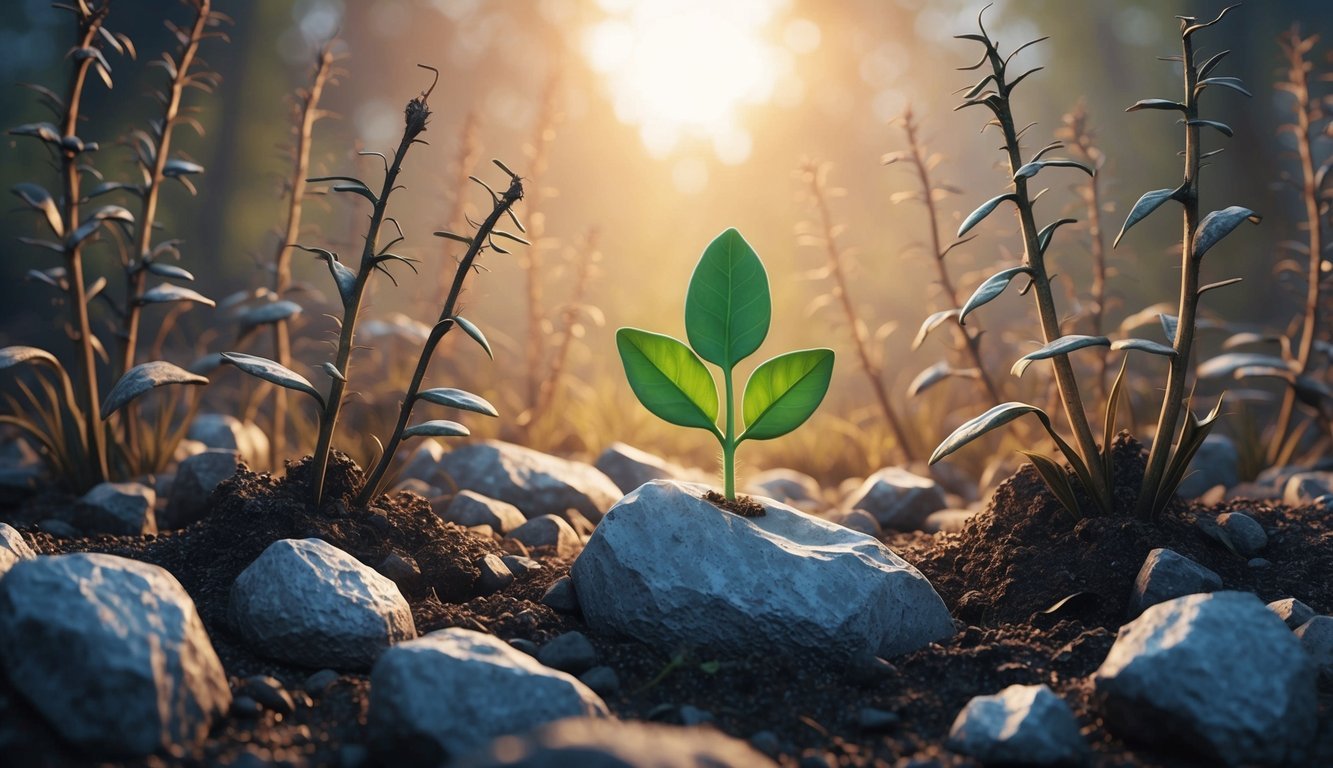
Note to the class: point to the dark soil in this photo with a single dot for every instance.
(1039, 597)
(744, 506)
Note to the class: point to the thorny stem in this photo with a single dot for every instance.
(1168, 419)
(1065, 380)
(375, 480)
(352, 309)
(282, 261)
(94, 436)
(967, 342)
(859, 342)
(143, 235)
(1297, 84)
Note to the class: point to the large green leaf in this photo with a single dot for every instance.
(143, 378)
(668, 378)
(783, 392)
(727, 306)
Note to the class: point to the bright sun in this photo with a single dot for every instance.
(684, 70)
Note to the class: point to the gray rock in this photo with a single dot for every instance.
(401, 570)
(1258, 562)
(468, 508)
(424, 465)
(1166, 575)
(789, 487)
(671, 569)
(495, 575)
(1244, 532)
(416, 485)
(196, 477)
(1292, 611)
(520, 566)
(602, 680)
(122, 509)
(951, 478)
(1216, 463)
(269, 693)
(111, 652)
(454, 690)
(21, 469)
(549, 531)
(220, 430)
(899, 500)
(692, 715)
(948, 520)
(616, 744)
(1304, 487)
(571, 652)
(872, 719)
(861, 521)
(560, 596)
(320, 682)
(1316, 636)
(535, 482)
(1023, 725)
(59, 528)
(628, 467)
(308, 603)
(13, 548)
(1217, 674)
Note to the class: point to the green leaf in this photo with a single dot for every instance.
(457, 398)
(990, 420)
(785, 391)
(1061, 346)
(472, 330)
(974, 218)
(1032, 169)
(1218, 225)
(437, 428)
(273, 373)
(1150, 202)
(1056, 478)
(141, 379)
(931, 323)
(39, 199)
(992, 287)
(727, 306)
(1144, 345)
(668, 378)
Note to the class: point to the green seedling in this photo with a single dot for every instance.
(727, 314)
(352, 286)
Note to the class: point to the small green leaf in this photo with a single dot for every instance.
(668, 378)
(931, 323)
(985, 209)
(1218, 225)
(1150, 202)
(141, 379)
(785, 391)
(475, 333)
(727, 305)
(457, 398)
(273, 373)
(437, 428)
(1061, 346)
(992, 287)
(990, 420)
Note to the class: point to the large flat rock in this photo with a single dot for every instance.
(537, 483)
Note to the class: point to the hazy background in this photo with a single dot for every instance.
(668, 122)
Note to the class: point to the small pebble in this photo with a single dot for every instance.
(571, 652)
(526, 646)
(379, 523)
(560, 596)
(398, 569)
(320, 682)
(1292, 611)
(1316, 636)
(521, 566)
(766, 742)
(1245, 533)
(872, 719)
(269, 693)
(59, 529)
(246, 707)
(692, 715)
(602, 680)
(495, 575)
(1258, 563)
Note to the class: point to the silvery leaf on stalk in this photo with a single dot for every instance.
(12, 356)
(1150, 202)
(937, 373)
(1061, 346)
(265, 314)
(40, 200)
(273, 373)
(169, 270)
(176, 167)
(141, 379)
(931, 323)
(44, 131)
(332, 371)
(437, 428)
(170, 292)
(1218, 225)
(1144, 345)
(1229, 363)
(94, 223)
(472, 330)
(982, 211)
(457, 398)
(989, 289)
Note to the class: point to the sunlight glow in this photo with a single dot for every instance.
(683, 70)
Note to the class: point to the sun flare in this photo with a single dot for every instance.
(685, 70)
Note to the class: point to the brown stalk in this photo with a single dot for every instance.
(531, 261)
(1080, 140)
(586, 256)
